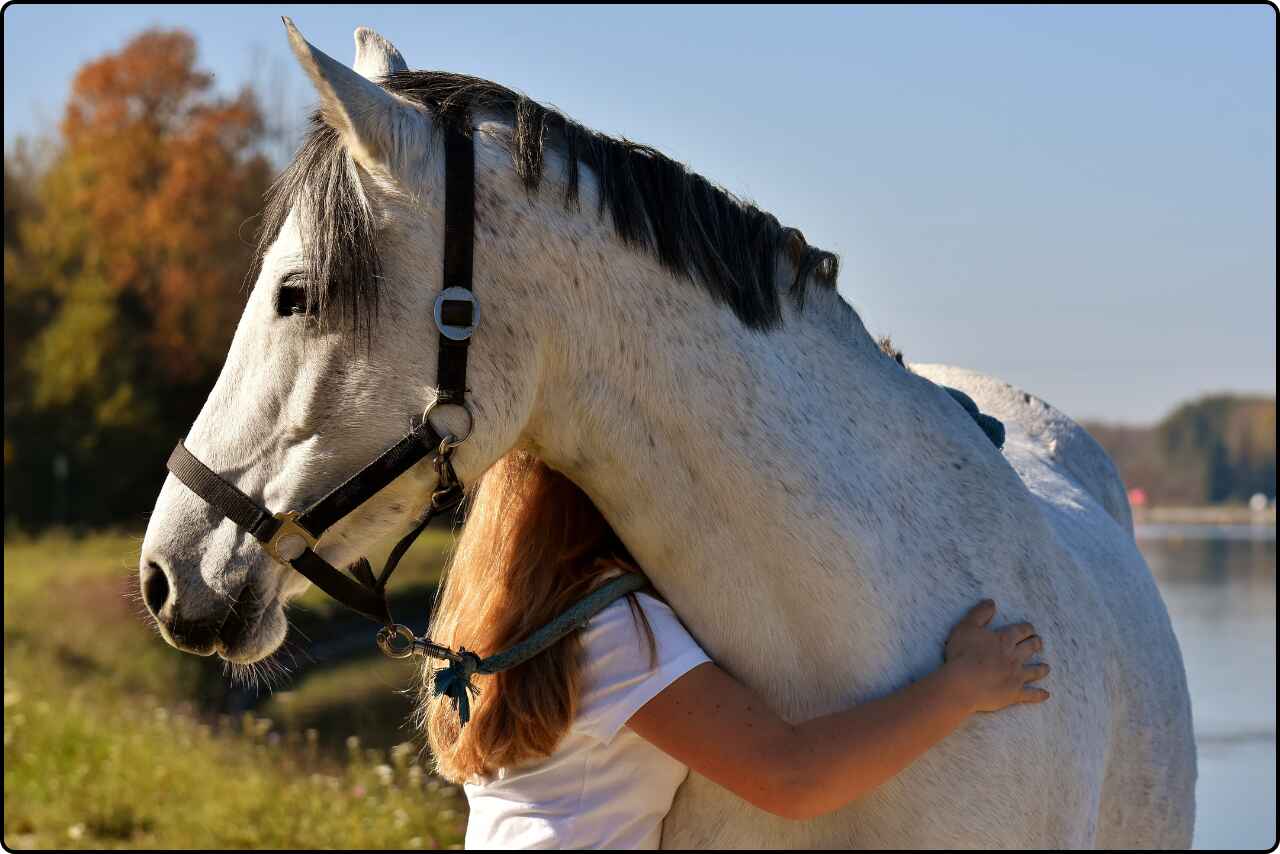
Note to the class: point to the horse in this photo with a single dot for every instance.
(816, 513)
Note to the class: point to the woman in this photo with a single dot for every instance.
(584, 745)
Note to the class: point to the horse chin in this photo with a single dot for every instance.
(251, 634)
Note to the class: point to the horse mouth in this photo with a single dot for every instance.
(241, 639)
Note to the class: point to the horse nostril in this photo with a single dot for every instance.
(155, 588)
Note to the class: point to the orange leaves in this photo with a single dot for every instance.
(164, 172)
(152, 79)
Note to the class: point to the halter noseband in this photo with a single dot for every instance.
(290, 537)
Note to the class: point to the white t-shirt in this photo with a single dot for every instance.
(604, 786)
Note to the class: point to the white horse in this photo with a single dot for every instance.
(817, 515)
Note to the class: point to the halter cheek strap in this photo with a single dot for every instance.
(456, 311)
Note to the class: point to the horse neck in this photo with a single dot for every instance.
(749, 473)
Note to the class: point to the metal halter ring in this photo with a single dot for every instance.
(387, 636)
(454, 304)
(451, 441)
(399, 641)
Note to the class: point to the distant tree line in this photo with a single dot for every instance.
(127, 238)
(1219, 449)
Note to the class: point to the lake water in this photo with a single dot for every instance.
(1219, 582)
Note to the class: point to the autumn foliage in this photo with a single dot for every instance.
(125, 251)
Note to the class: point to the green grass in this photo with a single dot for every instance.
(371, 696)
(73, 603)
(111, 738)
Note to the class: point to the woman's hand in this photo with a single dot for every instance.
(991, 665)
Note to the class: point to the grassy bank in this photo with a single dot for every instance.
(113, 739)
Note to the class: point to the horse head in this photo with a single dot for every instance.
(333, 359)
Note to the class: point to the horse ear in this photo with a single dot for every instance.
(365, 114)
(375, 56)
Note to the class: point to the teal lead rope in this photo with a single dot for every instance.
(454, 680)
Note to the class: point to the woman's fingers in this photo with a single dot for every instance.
(1034, 672)
(1033, 695)
(1029, 647)
(1018, 632)
(981, 614)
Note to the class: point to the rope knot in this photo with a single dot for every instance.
(454, 682)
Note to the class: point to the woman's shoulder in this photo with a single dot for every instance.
(628, 657)
(638, 628)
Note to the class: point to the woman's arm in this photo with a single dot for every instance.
(724, 731)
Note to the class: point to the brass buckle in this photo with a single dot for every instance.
(290, 540)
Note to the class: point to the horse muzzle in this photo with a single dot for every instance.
(203, 622)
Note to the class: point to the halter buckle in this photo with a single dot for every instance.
(457, 313)
(290, 540)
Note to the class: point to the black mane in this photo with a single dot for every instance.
(697, 230)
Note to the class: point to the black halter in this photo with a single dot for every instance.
(290, 536)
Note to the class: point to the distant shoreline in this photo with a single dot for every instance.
(1224, 515)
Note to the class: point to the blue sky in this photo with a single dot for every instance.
(1080, 200)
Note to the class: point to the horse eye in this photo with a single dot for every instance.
(291, 300)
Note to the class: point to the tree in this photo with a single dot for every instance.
(127, 272)
(21, 315)
(1220, 448)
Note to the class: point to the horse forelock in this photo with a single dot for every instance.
(337, 226)
(698, 230)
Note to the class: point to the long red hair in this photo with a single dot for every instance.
(532, 545)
